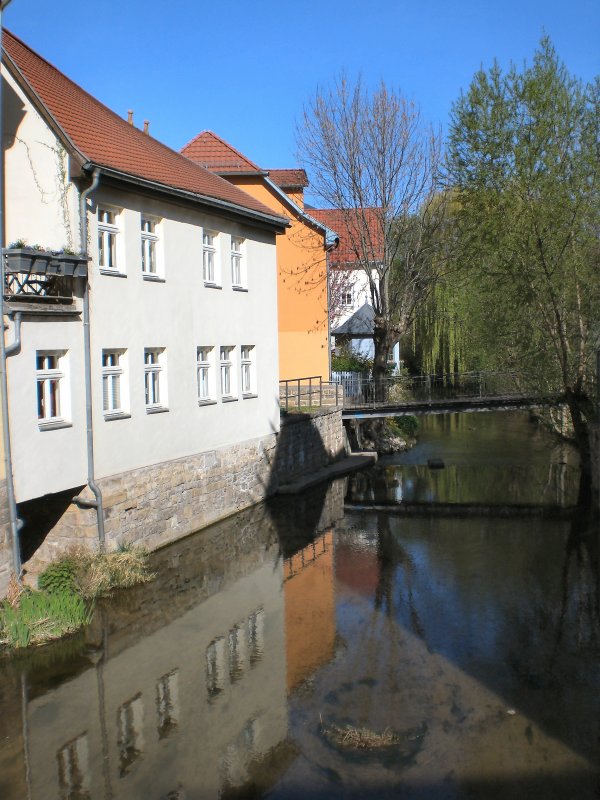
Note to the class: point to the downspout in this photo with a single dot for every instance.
(97, 503)
(328, 249)
(15, 523)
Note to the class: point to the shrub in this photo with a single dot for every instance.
(404, 426)
(59, 576)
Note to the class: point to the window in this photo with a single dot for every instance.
(210, 270)
(113, 387)
(247, 362)
(130, 717)
(227, 387)
(73, 769)
(346, 298)
(154, 379)
(107, 239)
(149, 245)
(167, 703)
(237, 263)
(215, 666)
(204, 374)
(50, 377)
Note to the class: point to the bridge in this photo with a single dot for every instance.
(364, 398)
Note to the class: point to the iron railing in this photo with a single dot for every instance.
(401, 390)
(308, 393)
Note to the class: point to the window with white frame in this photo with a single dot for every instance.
(204, 374)
(346, 298)
(51, 388)
(108, 231)
(237, 263)
(114, 390)
(155, 383)
(226, 355)
(248, 370)
(210, 265)
(149, 247)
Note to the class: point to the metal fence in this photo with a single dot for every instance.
(307, 393)
(430, 388)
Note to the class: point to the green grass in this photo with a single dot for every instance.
(68, 587)
(42, 616)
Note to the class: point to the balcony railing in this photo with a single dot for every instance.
(41, 276)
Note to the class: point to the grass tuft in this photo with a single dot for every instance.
(64, 602)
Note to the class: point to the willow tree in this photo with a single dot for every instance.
(524, 164)
(371, 156)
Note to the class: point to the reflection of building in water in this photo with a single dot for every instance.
(309, 609)
(183, 712)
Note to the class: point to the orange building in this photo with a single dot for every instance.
(301, 254)
(309, 609)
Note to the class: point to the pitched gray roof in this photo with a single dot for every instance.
(360, 324)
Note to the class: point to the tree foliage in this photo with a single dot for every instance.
(371, 157)
(524, 169)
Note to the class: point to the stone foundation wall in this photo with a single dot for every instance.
(6, 564)
(155, 505)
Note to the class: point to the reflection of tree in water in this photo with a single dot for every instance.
(579, 619)
(393, 560)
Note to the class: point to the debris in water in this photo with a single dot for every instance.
(435, 463)
(359, 738)
(511, 711)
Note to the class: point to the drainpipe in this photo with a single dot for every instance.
(15, 523)
(97, 502)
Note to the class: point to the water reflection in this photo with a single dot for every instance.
(486, 459)
(476, 641)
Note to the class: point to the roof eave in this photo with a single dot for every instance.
(331, 237)
(274, 222)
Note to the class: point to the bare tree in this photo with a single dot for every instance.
(371, 157)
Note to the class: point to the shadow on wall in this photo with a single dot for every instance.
(39, 517)
(306, 442)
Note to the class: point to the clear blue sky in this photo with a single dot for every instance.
(245, 69)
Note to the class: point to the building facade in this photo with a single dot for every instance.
(301, 253)
(150, 370)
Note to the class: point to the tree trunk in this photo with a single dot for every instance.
(582, 442)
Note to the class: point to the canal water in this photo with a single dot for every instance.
(468, 636)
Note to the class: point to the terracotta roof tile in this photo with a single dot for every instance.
(217, 155)
(348, 225)
(289, 178)
(107, 140)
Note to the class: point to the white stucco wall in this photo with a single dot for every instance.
(41, 203)
(178, 314)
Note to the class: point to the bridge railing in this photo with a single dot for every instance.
(308, 393)
(401, 390)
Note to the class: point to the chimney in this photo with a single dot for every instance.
(130, 117)
(147, 126)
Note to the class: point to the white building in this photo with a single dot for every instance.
(181, 293)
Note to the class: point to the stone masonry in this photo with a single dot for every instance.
(155, 505)
(5, 543)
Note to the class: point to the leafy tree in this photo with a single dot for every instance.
(524, 168)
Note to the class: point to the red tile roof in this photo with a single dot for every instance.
(289, 178)
(217, 155)
(349, 225)
(106, 140)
